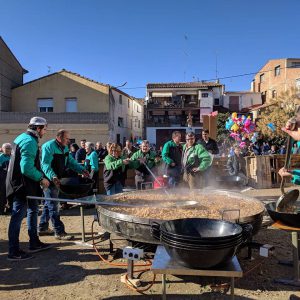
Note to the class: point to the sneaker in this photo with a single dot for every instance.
(39, 246)
(47, 231)
(64, 236)
(21, 255)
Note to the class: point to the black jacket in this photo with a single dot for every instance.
(211, 146)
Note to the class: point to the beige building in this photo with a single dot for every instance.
(276, 76)
(11, 75)
(87, 108)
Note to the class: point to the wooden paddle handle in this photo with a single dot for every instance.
(287, 160)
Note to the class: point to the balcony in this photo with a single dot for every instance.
(170, 121)
(171, 104)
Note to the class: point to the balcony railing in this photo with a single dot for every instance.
(168, 123)
(192, 104)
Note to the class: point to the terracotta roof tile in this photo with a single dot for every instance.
(196, 84)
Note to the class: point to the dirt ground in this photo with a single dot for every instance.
(72, 271)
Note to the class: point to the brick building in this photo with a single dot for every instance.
(276, 76)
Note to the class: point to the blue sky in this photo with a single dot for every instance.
(150, 41)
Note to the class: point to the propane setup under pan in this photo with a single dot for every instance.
(134, 223)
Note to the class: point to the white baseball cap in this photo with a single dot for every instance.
(38, 121)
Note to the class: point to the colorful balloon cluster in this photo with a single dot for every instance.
(240, 127)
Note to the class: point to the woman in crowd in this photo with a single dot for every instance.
(143, 160)
(91, 163)
(73, 149)
(114, 170)
(4, 161)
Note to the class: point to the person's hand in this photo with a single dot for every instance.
(172, 164)
(291, 124)
(85, 173)
(157, 159)
(195, 170)
(284, 173)
(142, 160)
(56, 181)
(294, 134)
(126, 161)
(44, 183)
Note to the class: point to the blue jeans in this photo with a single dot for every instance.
(51, 212)
(115, 189)
(20, 205)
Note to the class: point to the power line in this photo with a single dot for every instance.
(226, 77)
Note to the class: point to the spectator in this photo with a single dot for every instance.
(209, 144)
(101, 152)
(265, 148)
(73, 149)
(295, 149)
(80, 154)
(231, 151)
(128, 150)
(256, 149)
(282, 150)
(92, 163)
(273, 150)
(237, 165)
(4, 162)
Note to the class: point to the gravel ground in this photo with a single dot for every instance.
(72, 271)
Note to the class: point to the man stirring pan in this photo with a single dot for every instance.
(56, 159)
(195, 160)
(141, 158)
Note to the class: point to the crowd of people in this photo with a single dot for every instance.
(24, 171)
(27, 172)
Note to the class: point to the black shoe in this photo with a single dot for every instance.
(39, 246)
(47, 231)
(20, 255)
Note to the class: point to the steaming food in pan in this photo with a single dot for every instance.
(210, 204)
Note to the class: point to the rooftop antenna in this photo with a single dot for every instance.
(216, 65)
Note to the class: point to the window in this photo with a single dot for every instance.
(277, 71)
(71, 105)
(120, 122)
(137, 108)
(139, 126)
(274, 94)
(45, 105)
(216, 101)
(295, 64)
(128, 103)
(204, 95)
(261, 77)
(120, 99)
